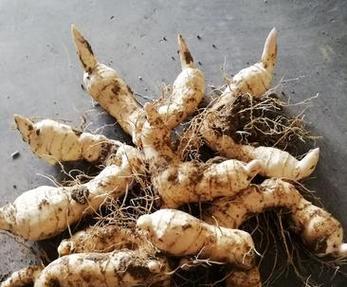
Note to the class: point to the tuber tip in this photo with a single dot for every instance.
(308, 164)
(65, 248)
(154, 266)
(253, 168)
(342, 252)
(269, 56)
(84, 50)
(185, 55)
(24, 125)
(144, 222)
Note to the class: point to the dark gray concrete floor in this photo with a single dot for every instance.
(40, 75)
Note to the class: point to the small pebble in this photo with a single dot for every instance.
(214, 46)
(173, 58)
(164, 38)
(15, 154)
(198, 36)
(140, 78)
(112, 17)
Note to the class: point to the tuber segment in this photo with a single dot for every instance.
(119, 268)
(179, 234)
(46, 211)
(100, 239)
(319, 229)
(23, 277)
(56, 142)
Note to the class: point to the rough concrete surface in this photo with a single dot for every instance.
(40, 75)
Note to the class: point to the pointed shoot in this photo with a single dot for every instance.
(269, 56)
(84, 50)
(24, 125)
(185, 55)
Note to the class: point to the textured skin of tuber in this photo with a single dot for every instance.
(179, 234)
(119, 268)
(23, 277)
(244, 278)
(46, 211)
(319, 230)
(187, 91)
(180, 182)
(100, 239)
(56, 142)
(106, 87)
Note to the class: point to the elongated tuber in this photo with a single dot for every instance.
(24, 277)
(106, 87)
(57, 142)
(179, 234)
(319, 229)
(119, 268)
(187, 91)
(45, 211)
(274, 162)
(100, 239)
(182, 182)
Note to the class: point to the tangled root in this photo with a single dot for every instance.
(262, 121)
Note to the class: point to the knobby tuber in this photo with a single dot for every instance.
(57, 142)
(183, 182)
(46, 211)
(179, 234)
(319, 229)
